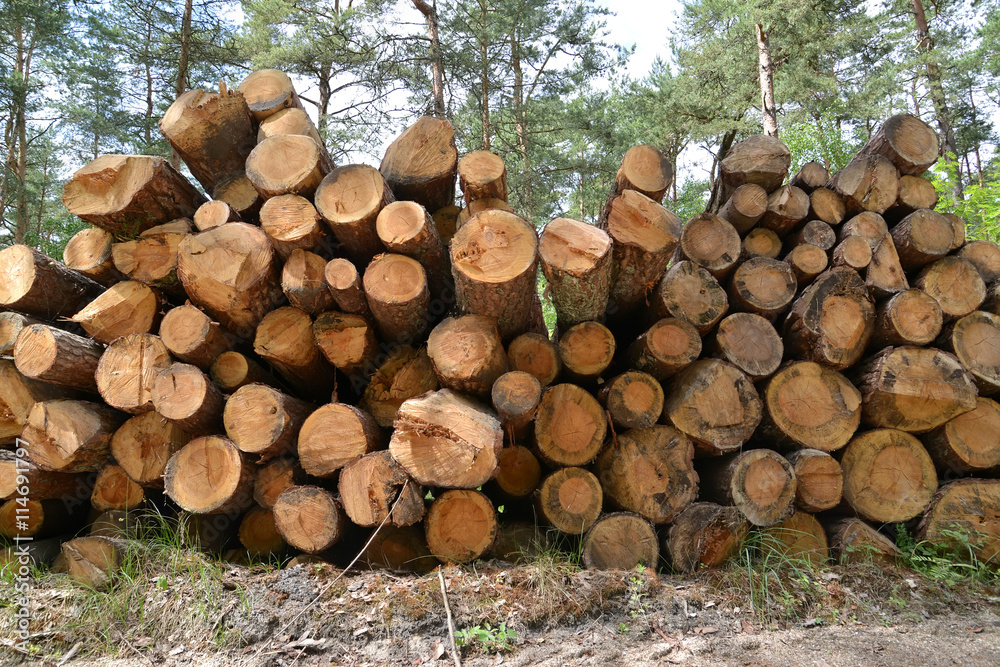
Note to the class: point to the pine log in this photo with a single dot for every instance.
(586, 350)
(955, 284)
(262, 421)
(349, 199)
(906, 141)
(127, 194)
(398, 296)
(230, 272)
(519, 472)
(868, 225)
(89, 252)
(853, 252)
(633, 400)
(884, 275)
(467, 354)
(213, 213)
(570, 426)
(913, 389)
(690, 293)
(831, 321)
(758, 159)
(333, 435)
(374, 489)
(921, 238)
(406, 228)
(18, 474)
(11, 326)
(420, 164)
(290, 121)
(482, 175)
(35, 285)
(58, 357)
(24, 519)
(309, 518)
(711, 243)
(268, 91)
(745, 208)
(576, 261)
(810, 176)
(17, 396)
(621, 541)
(114, 490)
(809, 405)
(405, 374)
(461, 526)
(209, 475)
(515, 396)
(127, 369)
(193, 337)
(888, 476)
(759, 482)
(787, 207)
(445, 440)
(762, 286)
(143, 445)
(967, 444)
(303, 282)
(666, 348)
(705, 535)
(493, 260)
(446, 221)
(761, 242)
(713, 403)
(819, 480)
(985, 256)
(649, 471)
(962, 516)
(807, 261)
(827, 205)
(854, 541)
(291, 223)
(534, 353)
(93, 562)
(212, 132)
(400, 550)
(644, 236)
(70, 436)
(975, 341)
(868, 183)
(183, 394)
(570, 500)
(644, 169)
(815, 232)
(346, 340)
(259, 535)
(152, 257)
(287, 164)
(749, 342)
(958, 228)
(344, 283)
(478, 206)
(232, 370)
(285, 340)
(241, 196)
(797, 538)
(273, 478)
(128, 307)
(915, 193)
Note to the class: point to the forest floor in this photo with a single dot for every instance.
(196, 611)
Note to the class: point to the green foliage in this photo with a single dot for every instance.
(953, 560)
(486, 637)
(980, 207)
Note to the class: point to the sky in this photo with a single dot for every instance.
(643, 24)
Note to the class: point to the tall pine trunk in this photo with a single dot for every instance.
(520, 125)
(182, 64)
(768, 113)
(437, 71)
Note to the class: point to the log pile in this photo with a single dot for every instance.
(316, 359)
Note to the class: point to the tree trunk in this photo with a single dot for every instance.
(347, 341)
(621, 541)
(891, 495)
(912, 317)
(761, 242)
(711, 243)
(193, 337)
(127, 307)
(854, 541)
(827, 205)
(36, 285)
(89, 252)
(405, 374)
(334, 435)
(745, 207)
(41, 484)
(55, 356)
(284, 339)
(985, 256)
(868, 183)
(690, 293)
(763, 286)
(921, 238)
(519, 472)
(374, 488)
(152, 258)
(570, 426)
(114, 490)
(437, 69)
(70, 436)
(274, 478)
(92, 561)
(967, 444)
(799, 537)
(461, 526)
(420, 164)
(959, 508)
(955, 284)
(576, 259)
(586, 350)
(309, 518)
(467, 354)
(810, 176)
(819, 480)
(974, 340)
(344, 283)
(232, 370)
(183, 394)
(406, 228)
(143, 445)
(535, 354)
(302, 281)
(666, 348)
(398, 296)
(210, 475)
(291, 223)
(853, 252)
(633, 400)
(18, 395)
(349, 199)
(239, 194)
(287, 164)
(705, 535)
(749, 342)
(259, 535)
(768, 112)
(267, 92)
(570, 500)
(759, 482)
(127, 370)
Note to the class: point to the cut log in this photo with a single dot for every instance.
(346, 340)
(906, 141)
(259, 535)
(955, 284)
(127, 369)
(854, 541)
(967, 444)
(24, 519)
(290, 121)
(230, 272)
(787, 207)
(213, 213)
(819, 480)
(534, 353)
(309, 518)
(143, 445)
(958, 228)
(884, 275)
(70, 436)
(759, 482)
(405, 374)
(798, 538)
(114, 490)
(446, 221)
(35, 285)
(570, 500)
(633, 400)
(93, 562)
(291, 223)
(186, 396)
(240, 195)
(621, 541)
(209, 475)
(975, 341)
(761, 242)
(759, 159)
(745, 207)
(690, 293)
(275, 477)
(212, 132)
(467, 354)
(711, 243)
(576, 261)
(303, 282)
(809, 405)
(888, 476)
(20, 474)
(406, 228)
(921, 238)
(193, 337)
(827, 205)
(963, 517)
(58, 357)
(461, 526)
(762, 286)
(420, 164)
(268, 91)
(478, 206)
(232, 370)
(644, 169)
(705, 535)
(519, 472)
(445, 440)
(713, 403)
(334, 435)
(17, 396)
(11, 326)
(127, 194)
(666, 348)
(807, 262)
(398, 296)
(831, 321)
(985, 256)
(868, 225)
(915, 193)
(853, 252)
(586, 350)
(913, 389)
(515, 396)
(400, 550)
(128, 307)
(749, 342)
(374, 489)
(810, 176)
(570, 426)
(261, 420)
(152, 258)
(868, 183)
(285, 340)
(817, 233)
(89, 252)
(649, 471)
(482, 175)
(287, 164)
(349, 200)
(644, 236)
(493, 260)
(344, 283)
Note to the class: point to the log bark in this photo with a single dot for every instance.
(285, 340)
(127, 369)
(586, 351)
(906, 141)
(241, 196)
(921, 238)
(576, 261)
(70, 436)
(711, 243)
(633, 400)
(886, 492)
(515, 396)
(955, 284)
(975, 342)
(405, 374)
(759, 159)
(853, 252)
(17, 396)
(406, 228)
(985, 256)
(759, 482)
(420, 164)
(183, 394)
(214, 213)
(761, 242)
(11, 326)
(128, 307)
(114, 490)
(16, 474)
(303, 282)
(209, 475)
(787, 207)
(262, 421)
(570, 426)
(55, 356)
(346, 340)
(287, 164)
(143, 445)
(232, 370)
(152, 257)
(273, 478)
(807, 261)
(334, 435)
(810, 176)
(535, 354)
(309, 518)
(398, 296)
(868, 183)
(959, 507)
(819, 480)
(36, 285)
(193, 337)
(344, 283)
(519, 472)
(690, 293)
(665, 349)
(291, 223)
(89, 252)
(374, 489)
(349, 200)
(461, 526)
(745, 207)
(762, 286)
(570, 500)
(482, 175)
(828, 206)
(267, 92)
(621, 541)
(259, 535)
(884, 275)
(705, 535)
(967, 444)
(749, 342)
(797, 538)
(854, 541)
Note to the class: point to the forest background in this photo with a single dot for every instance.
(543, 83)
